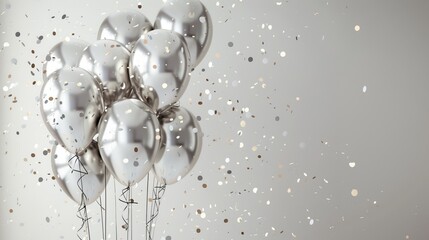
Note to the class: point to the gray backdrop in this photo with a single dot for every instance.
(325, 132)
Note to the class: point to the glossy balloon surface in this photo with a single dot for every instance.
(125, 27)
(67, 168)
(129, 140)
(108, 60)
(159, 68)
(71, 106)
(191, 19)
(183, 142)
(64, 54)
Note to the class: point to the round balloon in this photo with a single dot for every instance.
(76, 174)
(159, 68)
(108, 60)
(124, 27)
(71, 106)
(64, 54)
(129, 140)
(183, 142)
(191, 19)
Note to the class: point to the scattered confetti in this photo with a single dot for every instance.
(357, 28)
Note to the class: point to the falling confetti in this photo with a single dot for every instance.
(357, 28)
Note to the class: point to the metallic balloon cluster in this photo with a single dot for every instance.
(113, 103)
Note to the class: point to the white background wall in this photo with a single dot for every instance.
(306, 114)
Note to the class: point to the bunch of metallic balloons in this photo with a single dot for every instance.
(114, 103)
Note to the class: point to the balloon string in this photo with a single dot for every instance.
(116, 212)
(151, 206)
(130, 220)
(147, 199)
(82, 212)
(103, 209)
(100, 203)
(105, 201)
(158, 192)
(128, 201)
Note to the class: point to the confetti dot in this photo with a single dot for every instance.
(242, 123)
(17, 34)
(357, 28)
(352, 164)
(354, 192)
(282, 54)
(250, 59)
(364, 89)
(230, 44)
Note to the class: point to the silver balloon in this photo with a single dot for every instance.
(67, 168)
(108, 60)
(124, 27)
(129, 140)
(71, 106)
(183, 142)
(159, 68)
(64, 54)
(191, 19)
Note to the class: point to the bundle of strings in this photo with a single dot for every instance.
(126, 197)
(158, 192)
(82, 212)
